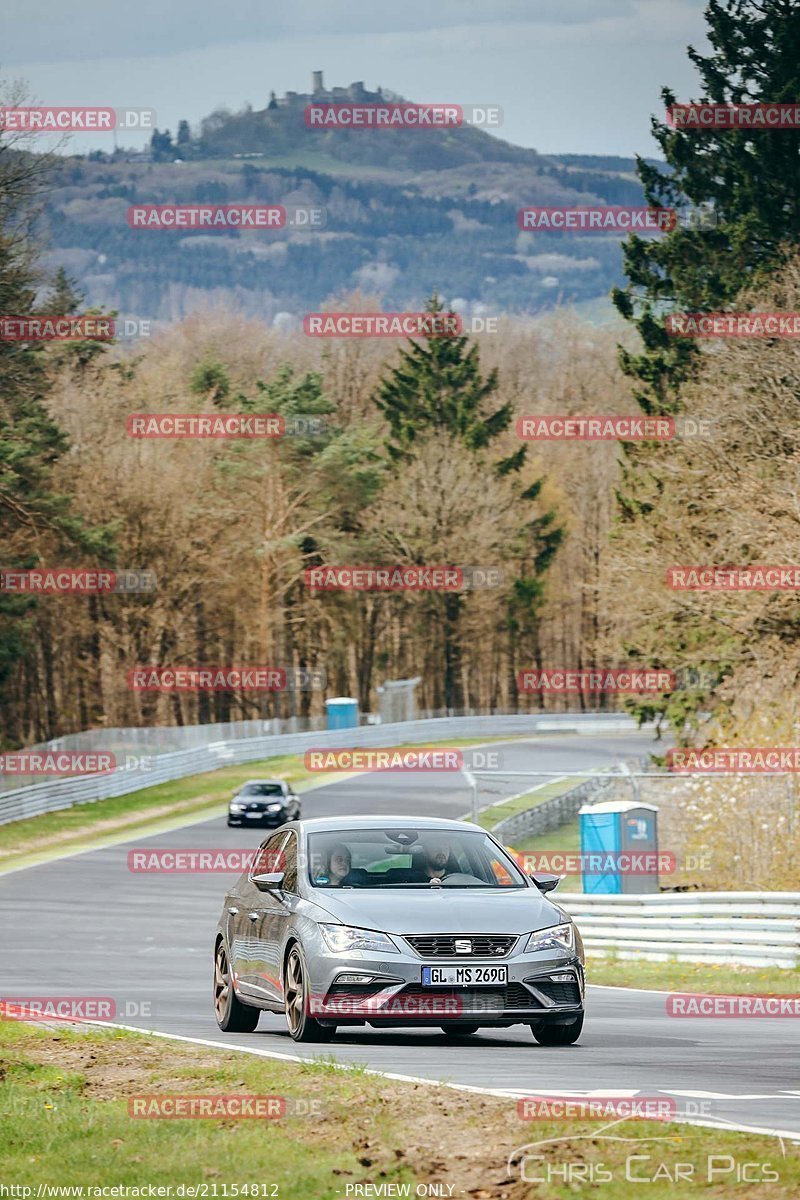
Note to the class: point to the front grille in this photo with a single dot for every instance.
(559, 993)
(443, 945)
(488, 1000)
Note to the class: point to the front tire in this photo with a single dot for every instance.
(302, 1026)
(548, 1034)
(232, 1016)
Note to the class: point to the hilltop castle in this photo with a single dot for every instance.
(355, 93)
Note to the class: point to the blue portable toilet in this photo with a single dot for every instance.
(610, 832)
(342, 712)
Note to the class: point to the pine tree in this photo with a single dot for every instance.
(749, 180)
(36, 521)
(161, 147)
(183, 141)
(438, 389)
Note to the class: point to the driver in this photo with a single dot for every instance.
(437, 853)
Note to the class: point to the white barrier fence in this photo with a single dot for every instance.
(754, 929)
(54, 794)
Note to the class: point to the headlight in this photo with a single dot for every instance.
(341, 938)
(237, 807)
(556, 937)
(274, 807)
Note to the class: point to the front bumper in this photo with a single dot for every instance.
(396, 996)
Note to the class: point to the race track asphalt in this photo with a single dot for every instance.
(87, 926)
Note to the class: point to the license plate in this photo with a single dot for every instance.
(256, 816)
(463, 976)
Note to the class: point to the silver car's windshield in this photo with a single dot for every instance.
(408, 857)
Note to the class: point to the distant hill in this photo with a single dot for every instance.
(407, 212)
(279, 130)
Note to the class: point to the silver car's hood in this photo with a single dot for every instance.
(441, 909)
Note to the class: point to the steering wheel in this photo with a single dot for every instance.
(456, 877)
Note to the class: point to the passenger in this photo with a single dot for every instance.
(339, 863)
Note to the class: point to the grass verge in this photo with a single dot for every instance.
(566, 839)
(166, 803)
(675, 976)
(489, 817)
(64, 1121)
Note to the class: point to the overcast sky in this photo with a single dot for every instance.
(576, 76)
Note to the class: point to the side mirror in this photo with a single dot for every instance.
(545, 882)
(268, 881)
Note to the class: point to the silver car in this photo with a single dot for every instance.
(392, 921)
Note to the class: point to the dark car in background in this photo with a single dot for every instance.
(264, 802)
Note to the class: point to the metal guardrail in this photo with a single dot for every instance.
(755, 929)
(552, 813)
(55, 794)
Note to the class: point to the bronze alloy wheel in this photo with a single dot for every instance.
(222, 982)
(232, 1016)
(302, 1026)
(294, 992)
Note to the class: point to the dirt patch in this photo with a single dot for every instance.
(441, 1136)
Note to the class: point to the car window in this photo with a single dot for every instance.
(289, 855)
(262, 789)
(409, 857)
(268, 857)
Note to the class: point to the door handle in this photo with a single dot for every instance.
(232, 910)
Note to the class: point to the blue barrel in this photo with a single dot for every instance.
(342, 712)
